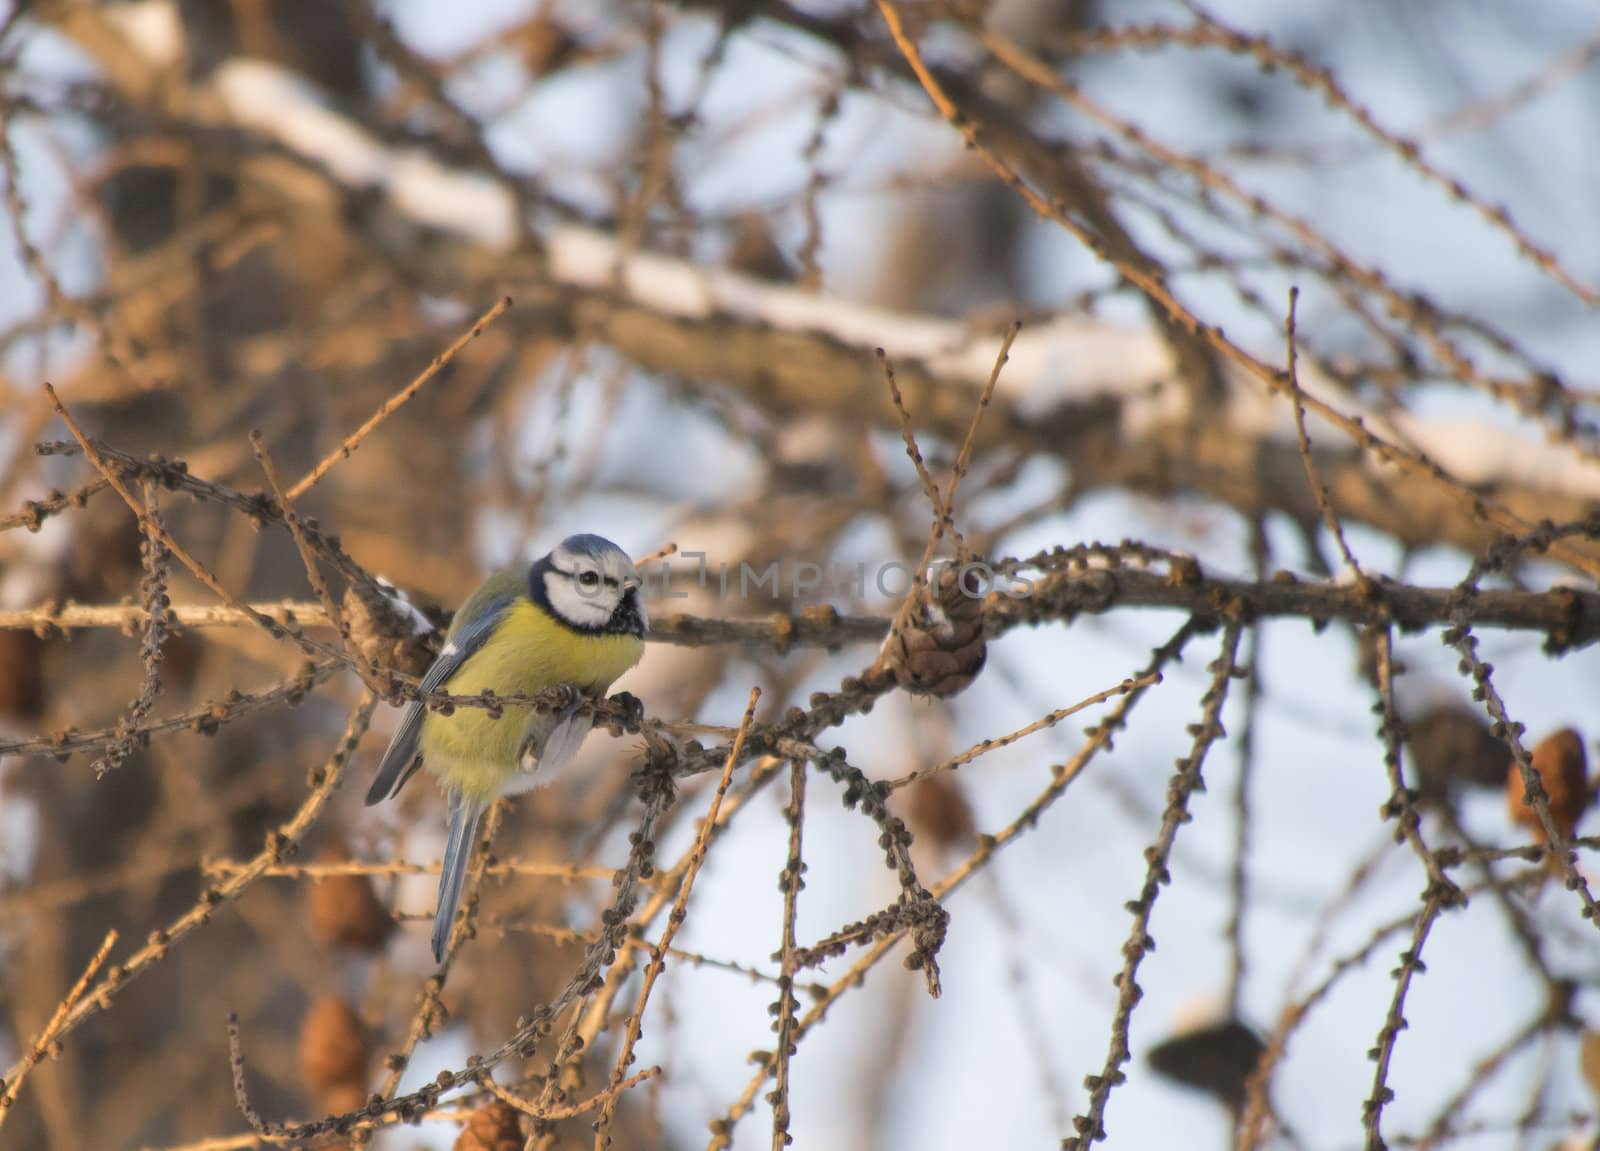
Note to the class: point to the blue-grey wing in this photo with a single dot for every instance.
(401, 758)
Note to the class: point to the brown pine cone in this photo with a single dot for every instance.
(1216, 1058)
(495, 1126)
(1589, 1060)
(1563, 770)
(333, 1047)
(343, 1098)
(1452, 747)
(937, 807)
(344, 910)
(22, 679)
(941, 648)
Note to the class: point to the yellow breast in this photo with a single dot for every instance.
(527, 653)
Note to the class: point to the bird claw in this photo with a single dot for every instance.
(568, 700)
(632, 717)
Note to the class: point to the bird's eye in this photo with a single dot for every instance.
(589, 579)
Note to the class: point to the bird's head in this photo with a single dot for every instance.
(590, 584)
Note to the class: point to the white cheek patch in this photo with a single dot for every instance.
(583, 608)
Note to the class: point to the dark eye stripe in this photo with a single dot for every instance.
(588, 576)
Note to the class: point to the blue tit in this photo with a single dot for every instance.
(572, 618)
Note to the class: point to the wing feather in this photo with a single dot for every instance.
(401, 759)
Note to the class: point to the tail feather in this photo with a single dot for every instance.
(464, 816)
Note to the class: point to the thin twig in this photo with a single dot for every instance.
(1435, 900)
(1089, 1124)
(1482, 507)
(35, 512)
(1321, 81)
(324, 779)
(661, 553)
(590, 1022)
(396, 401)
(790, 881)
(917, 909)
(1063, 776)
(1239, 882)
(568, 1110)
(1562, 857)
(1400, 806)
(1482, 1071)
(156, 603)
(942, 518)
(658, 957)
(53, 1030)
(207, 719)
(984, 747)
(291, 519)
(566, 872)
(1319, 490)
(1294, 1013)
(156, 531)
(241, 1091)
(429, 1011)
(930, 486)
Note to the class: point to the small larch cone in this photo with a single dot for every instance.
(343, 1098)
(1589, 1061)
(937, 807)
(1453, 748)
(494, 1127)
(1216, 1057)
(344, 910)
(387, 629)
(1563, 770)
(941, 649)
(333, 1047)
(22, 678)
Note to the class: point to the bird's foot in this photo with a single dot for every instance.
(565, 700)
(632, 717)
